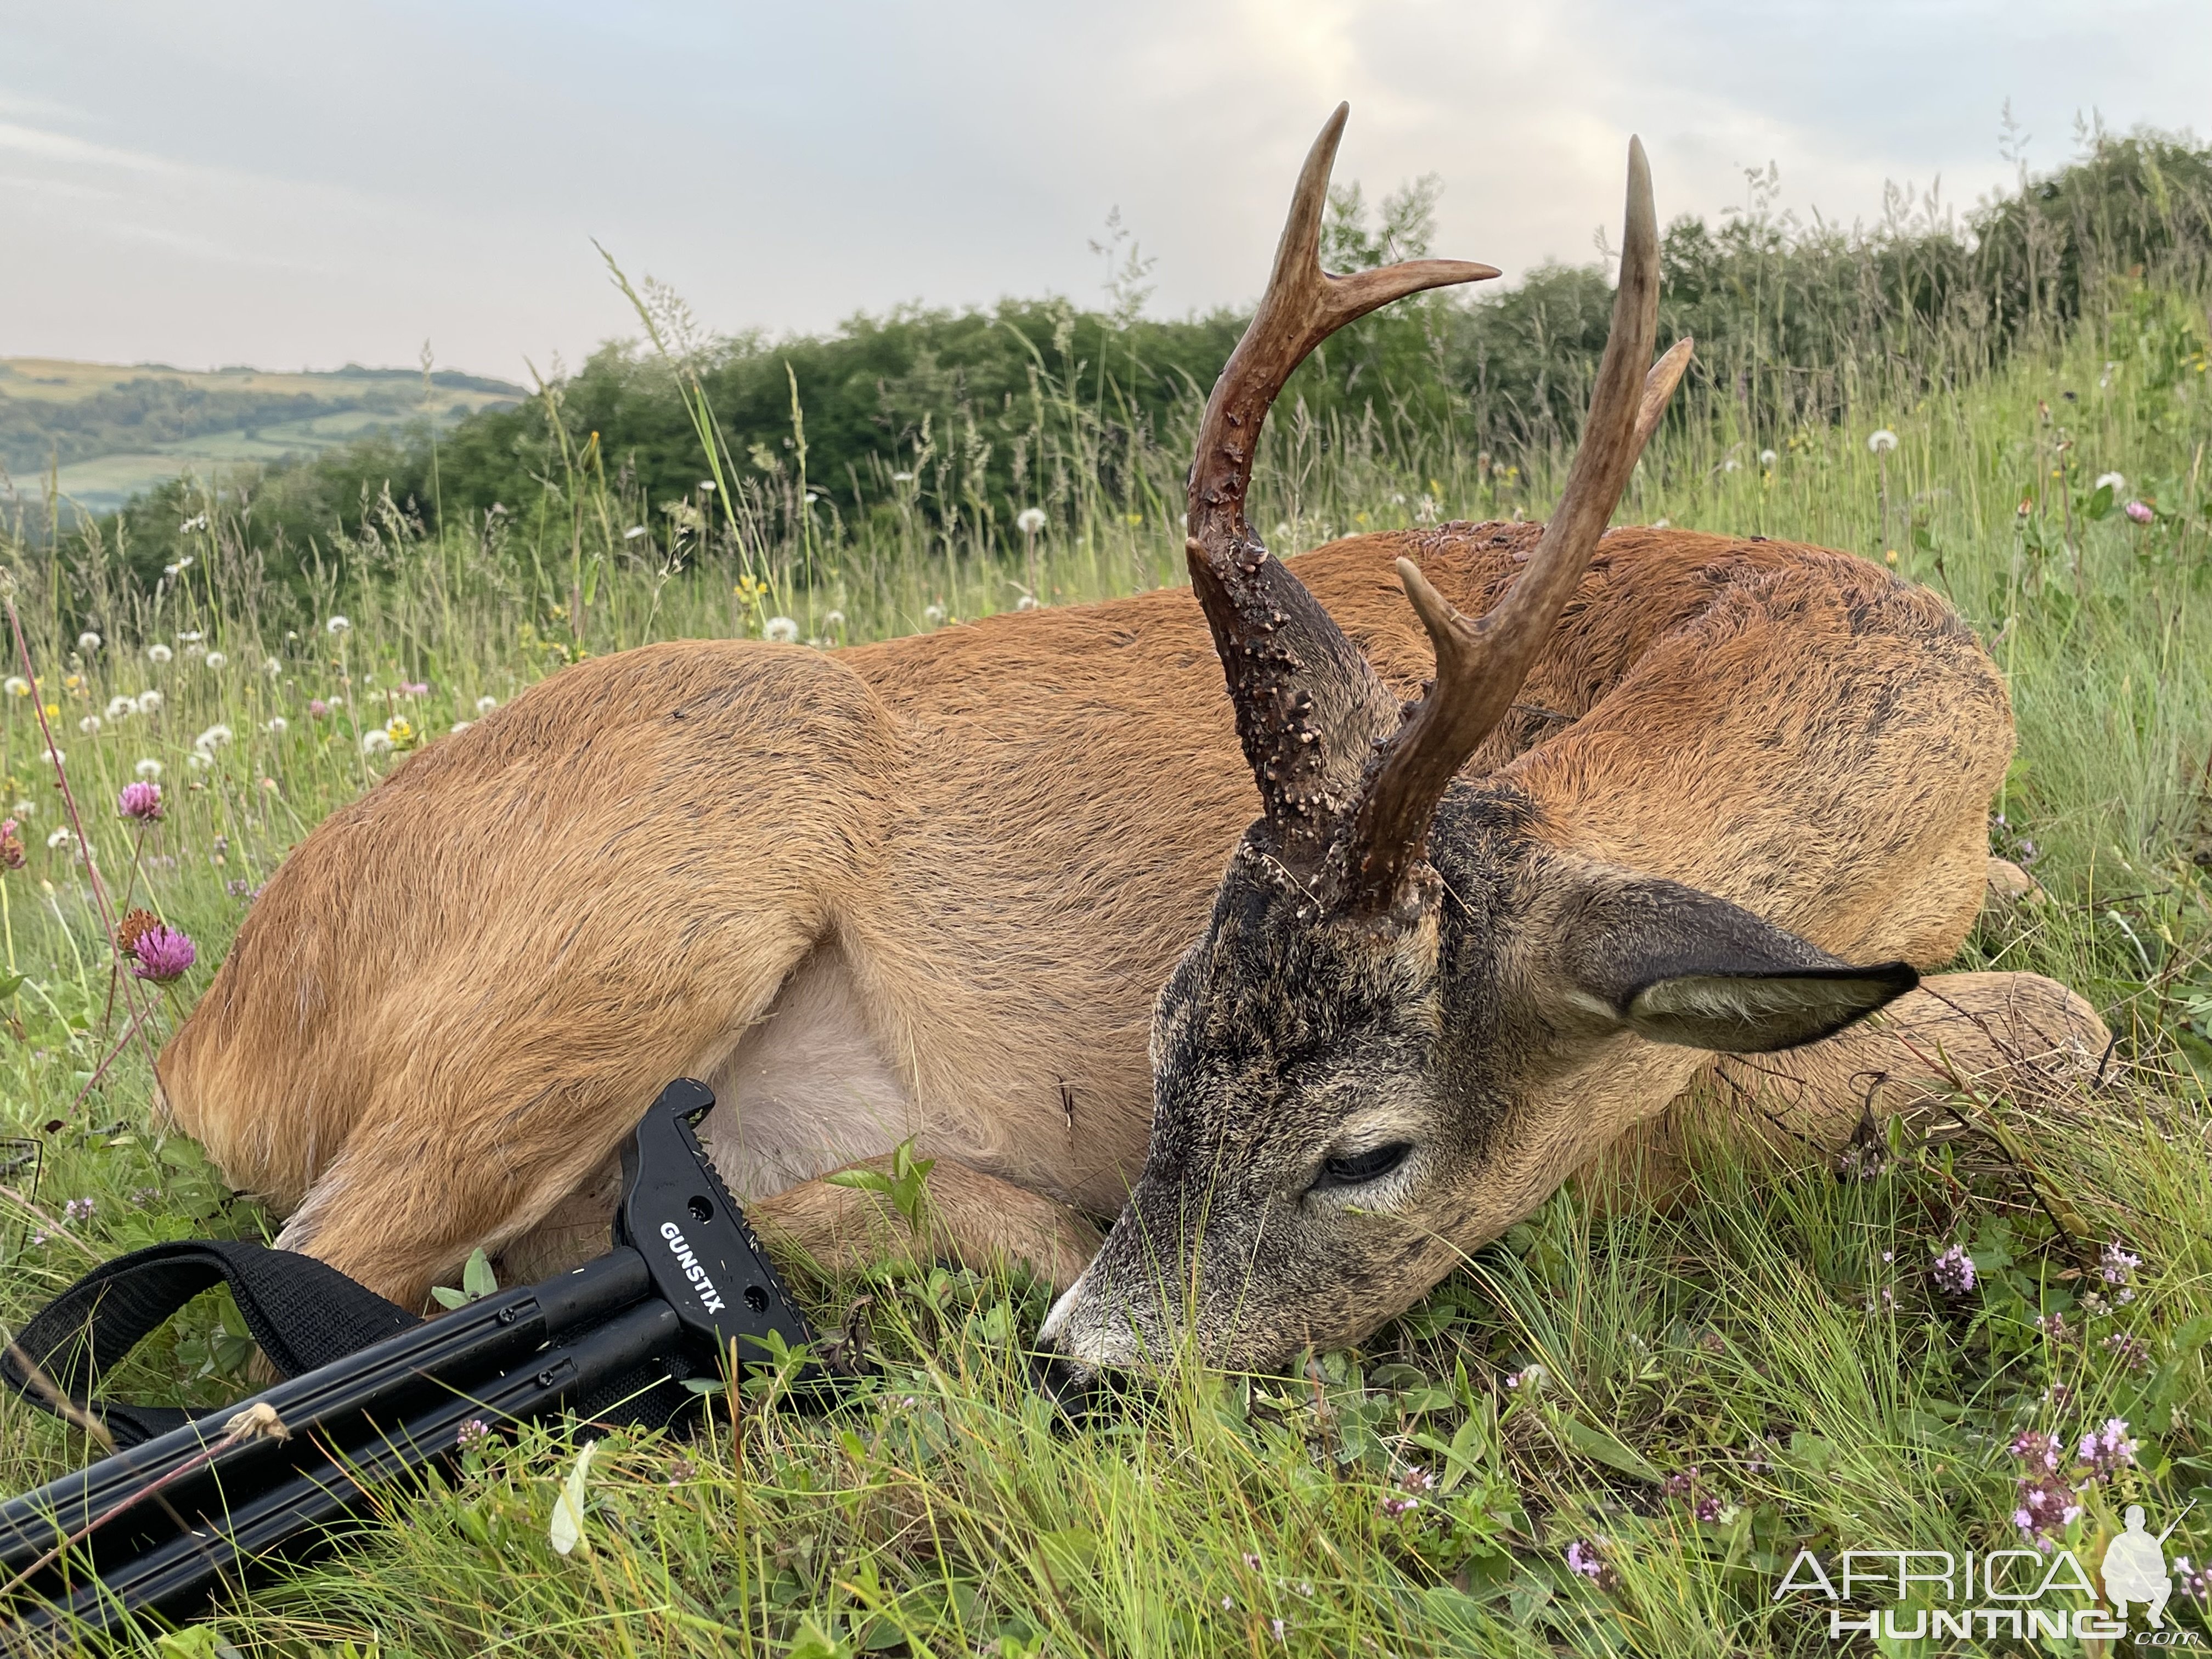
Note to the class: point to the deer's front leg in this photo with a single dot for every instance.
(974, 1220)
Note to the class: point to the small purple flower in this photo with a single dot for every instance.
(317, 707)
(1396, 1507)
(1708, 1509)
(2036, 1450)
(78, 1209)
(163, 954)
(1582, 1557)
(2139, 512)
(473, 1434)
(2108, 1449)
(1681, 1483)
(2119, 1266)
(2133, 1352)
(415, 688)
(1279, 1630)
(1954, 1272)
(681, 1469)
(142, 801)
(2194, 1582)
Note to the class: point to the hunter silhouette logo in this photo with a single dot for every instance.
(2134, 1568)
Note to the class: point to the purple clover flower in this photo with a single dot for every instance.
(78, 1209)
(163, 954)
(2139, 511)
(142, 801)
(1582, 1557)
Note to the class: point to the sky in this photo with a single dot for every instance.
(298, 185)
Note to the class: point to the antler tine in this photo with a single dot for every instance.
(1293, 678)
(1480, 664)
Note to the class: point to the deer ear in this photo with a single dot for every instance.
(1676, 965)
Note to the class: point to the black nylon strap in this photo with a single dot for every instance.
(303, 1314)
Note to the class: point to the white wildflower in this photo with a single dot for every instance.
(338, 625)
(1030, 520)
(833, 620)
(88, 643)
(633, 532)
(485, 705)
(192, 635)
(121, 708)
(1767, 458)
(215, 659)
(933, 614)
(277, 725)
(149, 703)
(567, 1532)
(376, 741)
(16, 686)
(781, 630)
(61, 837)
(1881, 441)
(91, 726)
(215, 737)
(1027, 602)
(707, 485)
(150, 769)
(902, 478)
(157, 653)
(2111, 481)
(272, 667)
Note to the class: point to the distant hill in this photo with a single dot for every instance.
(117, 431)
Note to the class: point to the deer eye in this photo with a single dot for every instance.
(1370, 1166)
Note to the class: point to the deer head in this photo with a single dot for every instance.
(1379, 1053)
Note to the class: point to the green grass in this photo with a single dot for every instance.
(1780, 1336)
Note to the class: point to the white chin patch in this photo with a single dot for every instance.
(1056, 1320)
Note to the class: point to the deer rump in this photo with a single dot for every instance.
(1671, 795)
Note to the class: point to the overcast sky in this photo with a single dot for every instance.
(291, 184)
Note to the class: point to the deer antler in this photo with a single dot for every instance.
(1294, 678)
(1480, 664)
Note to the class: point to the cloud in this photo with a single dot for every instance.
(260, 181)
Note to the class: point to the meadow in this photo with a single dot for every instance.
(1606, 1434)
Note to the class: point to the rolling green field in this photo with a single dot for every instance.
(1605, 1435)
(109, 433)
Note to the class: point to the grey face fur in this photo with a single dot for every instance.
(1345, 1102)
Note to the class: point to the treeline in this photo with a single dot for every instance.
(962, 416)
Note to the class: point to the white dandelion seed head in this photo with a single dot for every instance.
(158, 653)
(2111, 481)
(834, 619)
(461, 725)
(1881, 441)
(338, 625)
(194, 651)
(90, 724)
(781, 630)
(277, 725)
(55, 756)
(16, 686)
(272, 667)
(150, 769)
(1030, 520)
(1027, 602)
(707, 486)
(61, 837)
(485, 705)
(376, 741)
(215, 659)
(215, 737)
(199, 760)
(149, 703)
(1767, 458)
(933, 614)
(192, 635)
(88, 641)
(1731, 465)
(121, 708)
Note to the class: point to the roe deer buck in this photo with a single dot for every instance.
(931, 887)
